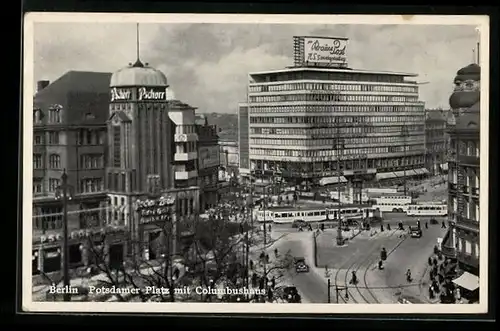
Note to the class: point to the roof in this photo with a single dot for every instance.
(436, 114)
(464, 99)
(138, 74)
(297, 69)
(83, 95)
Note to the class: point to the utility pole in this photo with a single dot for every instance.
(337, 290)
(63, 192)
(339, 147)
(404, 134)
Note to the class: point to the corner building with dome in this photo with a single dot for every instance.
(461, 242)
(151, 177)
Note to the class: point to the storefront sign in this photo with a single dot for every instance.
(209, 156)
(154, 210)
(120, 94)
(150, 93)
(325, 51)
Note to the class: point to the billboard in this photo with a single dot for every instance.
(323, 51)
(139, 94)
(209, 156)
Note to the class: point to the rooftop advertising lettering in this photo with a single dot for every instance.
(151, 94)
(327, 51)
(119, 94)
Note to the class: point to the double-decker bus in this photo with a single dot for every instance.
(290, 214)
(427, 209)
(393, 203)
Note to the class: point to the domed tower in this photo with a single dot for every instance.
(140, 138)
(466, 92)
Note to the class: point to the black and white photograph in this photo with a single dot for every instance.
(255, 163)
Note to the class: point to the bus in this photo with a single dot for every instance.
(289, 214)
(427, 209)
(393, 203)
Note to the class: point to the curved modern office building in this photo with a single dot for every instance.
(304, 118)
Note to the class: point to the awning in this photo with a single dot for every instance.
(411, 172)
(385, 175)
(425, 170)
(468, 281)
(402, 173)
(332, 180)
(419, 171)
(444, 166)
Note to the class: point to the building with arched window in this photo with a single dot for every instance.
(462, 240)
(69, 130)
(152, 153)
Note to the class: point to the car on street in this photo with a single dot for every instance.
(300, 264)
(415, 232)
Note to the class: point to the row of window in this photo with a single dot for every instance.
(55, 115)
(88, 185)
(332, 152)
(335, 119)
(329, 165)
(333, 131)
(336, 108)
(92, 161)
(331, 142)
(333, 87)
(466, 147)
(185, 147)
(327, 76)
(51, 137)
(465, 246)
(54, 161)
(470, 207)
(185, 129)
(91, 137)
(332, 97)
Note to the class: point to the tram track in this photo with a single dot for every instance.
(356, 263)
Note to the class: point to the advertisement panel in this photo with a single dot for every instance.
(151, 94)
(325, 51)
(120, 94)
(209, 156)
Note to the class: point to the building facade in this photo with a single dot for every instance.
(306, 119)
(243, 139)
(208, 162)
(152, 157)
(462, 239)
(69, 135)
(436, 139)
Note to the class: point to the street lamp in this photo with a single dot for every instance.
(64, 192)
(404, 134)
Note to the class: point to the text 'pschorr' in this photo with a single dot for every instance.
(151, 94)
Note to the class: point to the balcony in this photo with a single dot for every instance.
(185, 156)
(475, 192)
(467, 223)
(185, 175)
(185, 137)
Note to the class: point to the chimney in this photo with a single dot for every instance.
(41, 84)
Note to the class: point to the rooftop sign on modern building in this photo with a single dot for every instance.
(320, 51)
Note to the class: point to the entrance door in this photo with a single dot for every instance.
(116, 256)
(52, 260)
(154, 243)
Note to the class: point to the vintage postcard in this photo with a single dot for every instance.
(255, 163)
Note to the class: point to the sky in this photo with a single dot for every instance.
(207, 65)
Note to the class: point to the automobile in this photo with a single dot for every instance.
(298, 223)
(415, 232)
(433, 221)
(291, 295)
(300, 264)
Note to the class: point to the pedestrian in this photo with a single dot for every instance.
(269, 294)
(443, 225)
(431, 292)
(430, 261)
(380, 265)
(408, 276)
(388, 227)
(251, 264)
(435, 262)
(431, 275)
(440, 278)
(267, 258)
(426, 225)
(254, 280)
(273, 282)
(354, 278)
(269, 227)
(381, 227)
